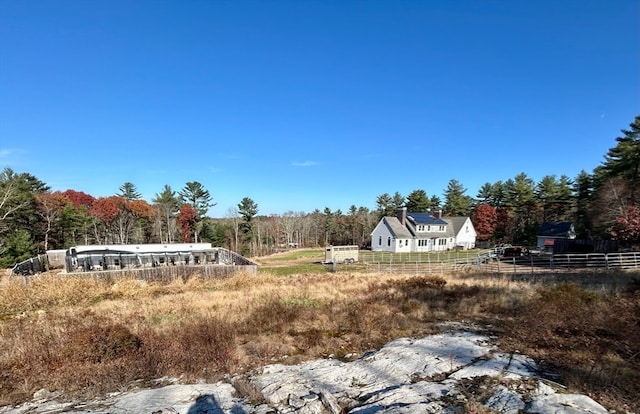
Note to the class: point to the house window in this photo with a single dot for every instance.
(406, 242)
(428, 228)
(441, 228)
(466, 229)
(421, 227)
(388, 241)
(380, 241)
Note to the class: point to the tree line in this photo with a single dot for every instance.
(602, 204)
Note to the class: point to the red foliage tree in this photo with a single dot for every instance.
(141, 209)
(485, 219)
(504, 225)
(78, 198)
(187, 219)
(627, 225)
(107, 208)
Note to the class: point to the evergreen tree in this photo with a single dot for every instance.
(623, 160)
(129, 192)
(18, 247)
(384, 206)
(456, 202)
(168, 205)
(247, 209)
(197, 197)
(555, 197)
(583, 192)
(435, 203)
(521, 203)
(418, 202)
(492, 194)
(397, 201)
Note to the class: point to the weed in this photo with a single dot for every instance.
(92, 336)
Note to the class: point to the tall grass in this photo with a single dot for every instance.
(91, 336)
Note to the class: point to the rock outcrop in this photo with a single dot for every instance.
(451, 372)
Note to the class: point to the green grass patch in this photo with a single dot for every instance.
(313, 254)
(367, 256)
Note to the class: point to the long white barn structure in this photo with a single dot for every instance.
(92, 258)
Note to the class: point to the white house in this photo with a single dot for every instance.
(422, 232)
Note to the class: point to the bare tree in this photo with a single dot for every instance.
(234, 218)
(290, 228)
(9, 200)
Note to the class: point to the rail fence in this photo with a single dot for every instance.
(488, 263)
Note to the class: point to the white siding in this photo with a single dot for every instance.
(466, 237)
(383, 241)
(403, 246)
(380, 238)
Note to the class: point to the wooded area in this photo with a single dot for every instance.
(603, 204)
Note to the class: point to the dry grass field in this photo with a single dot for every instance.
(86, 336)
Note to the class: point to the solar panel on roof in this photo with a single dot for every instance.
(425, 218)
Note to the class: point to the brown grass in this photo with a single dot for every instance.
(86, 336)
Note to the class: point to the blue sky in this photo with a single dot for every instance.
(302, 104)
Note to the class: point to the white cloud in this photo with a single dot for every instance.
(304, 164)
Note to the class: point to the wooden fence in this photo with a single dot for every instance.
(170, 273)
(546, 263)
(484, 262)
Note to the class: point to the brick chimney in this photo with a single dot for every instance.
(402, 214)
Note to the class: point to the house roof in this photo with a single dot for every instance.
(555, 229)
(397, 229)
(456, 223)
(408, 230)
(425, 218)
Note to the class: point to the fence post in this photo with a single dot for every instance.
(531, 260)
